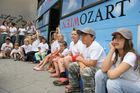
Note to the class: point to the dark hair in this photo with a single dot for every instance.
(16, 44)
(43, 38)
(128, 47)
(13, 24)
(64, 43)
(3, 23)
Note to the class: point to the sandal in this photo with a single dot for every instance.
(59, 83)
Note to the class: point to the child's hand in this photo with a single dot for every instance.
(79, 59)
(82, 66)
(112, 46)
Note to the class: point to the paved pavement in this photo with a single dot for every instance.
(19, 77)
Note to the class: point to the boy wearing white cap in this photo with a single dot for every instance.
(86, 63)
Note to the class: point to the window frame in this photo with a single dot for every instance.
(82, 8)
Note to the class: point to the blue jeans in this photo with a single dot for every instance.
(105, 85)
(13, 39)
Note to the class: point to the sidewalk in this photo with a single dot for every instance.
(19, 77)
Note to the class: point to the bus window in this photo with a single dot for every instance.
(70, 6)
(46, 18)
(88, 2)
(40, 21)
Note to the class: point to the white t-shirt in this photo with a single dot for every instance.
(65, 52)
(55, 46)
(76, 48)
(131, 75)
(22, 31)
(13, 31)
(94, 52)
(3, 28)
(27, 48)
(43, 47)
(6, 46)
(35, 45)
(31, 30)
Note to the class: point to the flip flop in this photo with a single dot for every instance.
(59, 83)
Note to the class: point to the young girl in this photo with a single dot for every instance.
(30, 28)
(13, 32)
(55, 49)
(43, 48)
(4, 29)
(121, 68)
(26, 48)
(63, 52)
(16, 52)
(74, 50)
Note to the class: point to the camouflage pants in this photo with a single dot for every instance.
(86, 74)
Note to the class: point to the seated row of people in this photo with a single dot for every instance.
(34, 47)
(118, 72)
(25, 51)
(85, 60)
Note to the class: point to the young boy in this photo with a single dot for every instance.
(86, 63)
(6, 48)
(16, 52)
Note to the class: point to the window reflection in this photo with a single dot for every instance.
(70, 6)
(46, 18)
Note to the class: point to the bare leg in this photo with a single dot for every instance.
(56, 74)
(40, 65)
(61, 65)
(44, 62)
(67, 61)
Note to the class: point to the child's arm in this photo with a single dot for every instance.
(60, 55)
(55, 53)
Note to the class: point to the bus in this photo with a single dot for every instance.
(104, 16)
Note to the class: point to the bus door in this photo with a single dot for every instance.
(54, 18)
